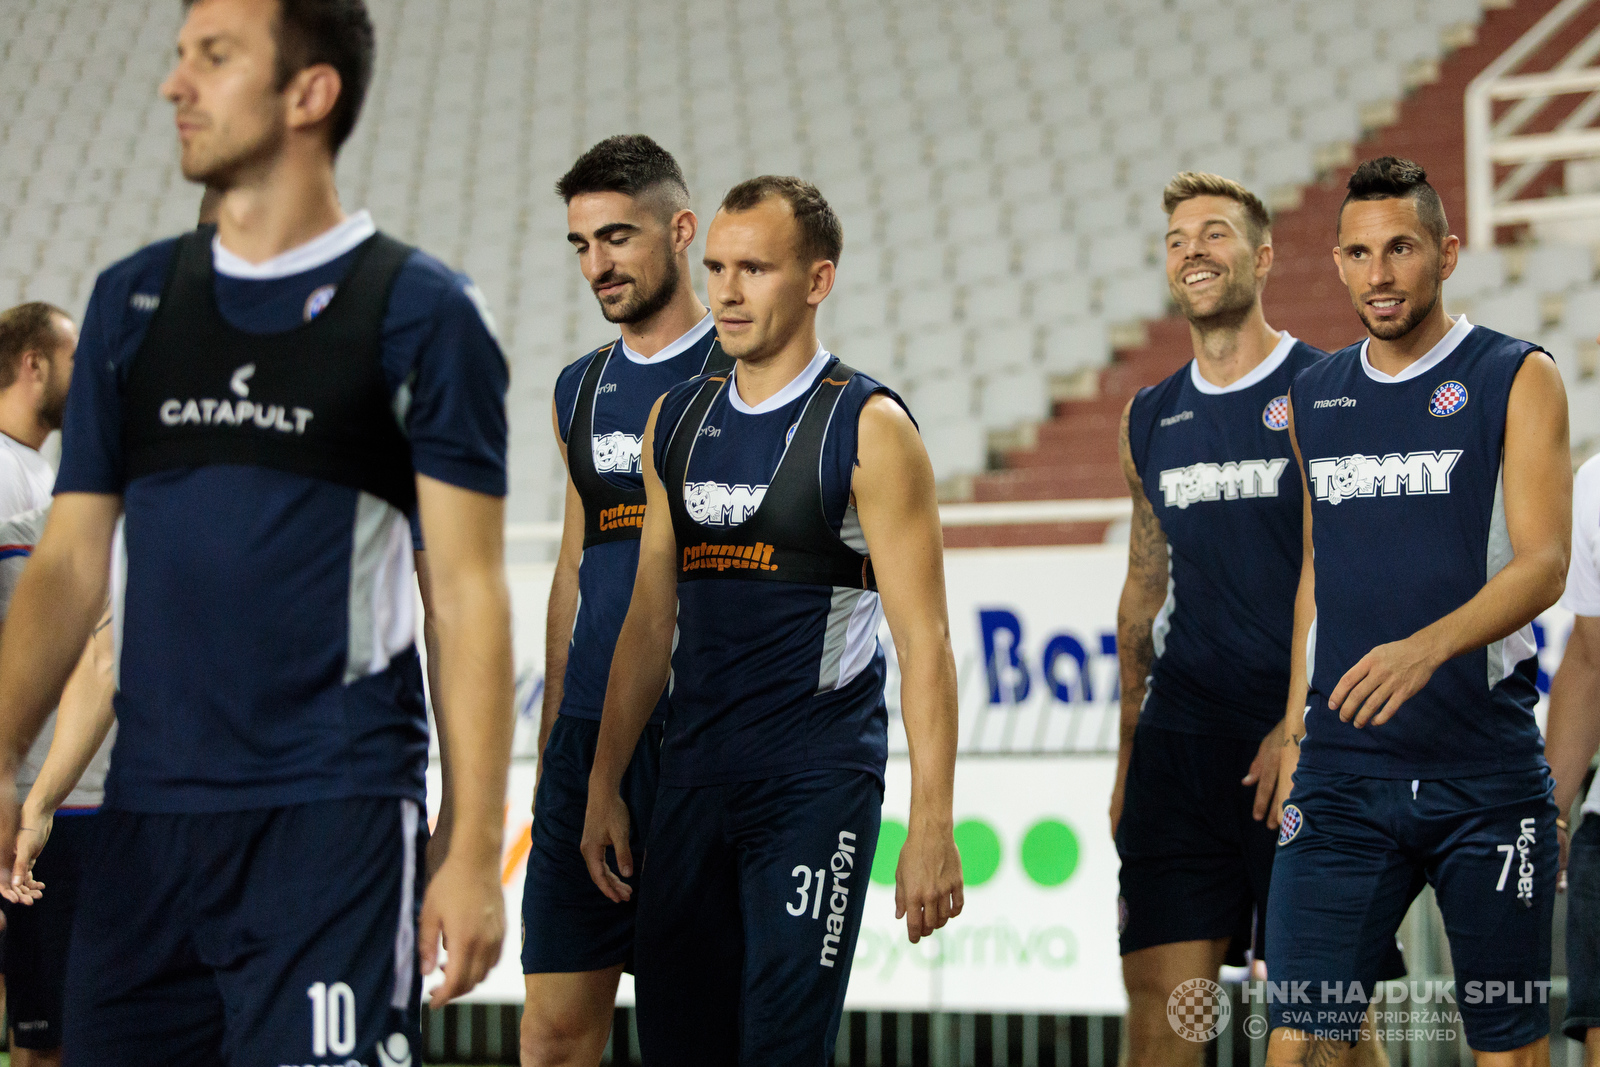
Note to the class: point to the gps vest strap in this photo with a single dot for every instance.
(610, 511)
(311, 401)
(788, 539)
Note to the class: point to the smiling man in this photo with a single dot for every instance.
(267, 402)
(791, 509)
(1206, 615)
(1437, 524)
(630, 225)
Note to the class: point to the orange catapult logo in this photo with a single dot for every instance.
(756, 557)
(620, 516)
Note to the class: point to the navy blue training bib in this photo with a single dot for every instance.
(1407, 525)
(1219, 472)
(769, 677)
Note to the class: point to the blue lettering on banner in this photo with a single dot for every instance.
(1063, 667)
(1069, 647)
(994, 623)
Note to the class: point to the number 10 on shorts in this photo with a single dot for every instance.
(333, 1019)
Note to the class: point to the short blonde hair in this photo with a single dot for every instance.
(1189, 184)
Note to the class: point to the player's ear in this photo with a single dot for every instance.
(1338, 262)
(822, 274)
(684, 227)
(1264, 257)
(312, 94)
(1449, 256)
(35, 365)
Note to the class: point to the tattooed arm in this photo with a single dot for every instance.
(1143, 593)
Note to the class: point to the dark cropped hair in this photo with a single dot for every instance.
(631, 164)
(821, 235)
(27, 327)
(1392, 178)
(336, 32)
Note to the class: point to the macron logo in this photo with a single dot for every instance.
(240, 376)
(1336, 402)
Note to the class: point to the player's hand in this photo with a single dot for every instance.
(927, 880)
(15, 886)
(605, 825)
(464, 904)
(31, 836)
(1388, 676)
(1263, 774)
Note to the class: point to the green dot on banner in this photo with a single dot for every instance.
(891, 837)
(979, 846)
(1050, 852)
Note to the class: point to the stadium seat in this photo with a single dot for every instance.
(1514, 311)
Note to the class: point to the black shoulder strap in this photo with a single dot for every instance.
(717, 361)
(681, 444)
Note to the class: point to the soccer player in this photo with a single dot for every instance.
(64, 775)
(1206, 615)
(266, 404)
(1437, 518)
(1572, 736)
(785, 498)
(629, 222)
(37, 342)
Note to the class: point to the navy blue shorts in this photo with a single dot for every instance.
(567, 923)
(1196, 864)
(1583, 930)
(1355, 852)
(251, 938)
(37, 934)
(751, 901)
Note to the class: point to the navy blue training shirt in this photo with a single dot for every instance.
(771, 678)
(268, 652)
(624, 396)
(1219, 472)
(1407, 525)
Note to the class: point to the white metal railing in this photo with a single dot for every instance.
(1010, 513)
(1492, 143)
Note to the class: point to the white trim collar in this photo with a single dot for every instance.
(1259, 372)
(1435, 356)
(319, 251)
(788, 394)
(681, 345)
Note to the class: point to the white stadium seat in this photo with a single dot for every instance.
(1514, 311)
